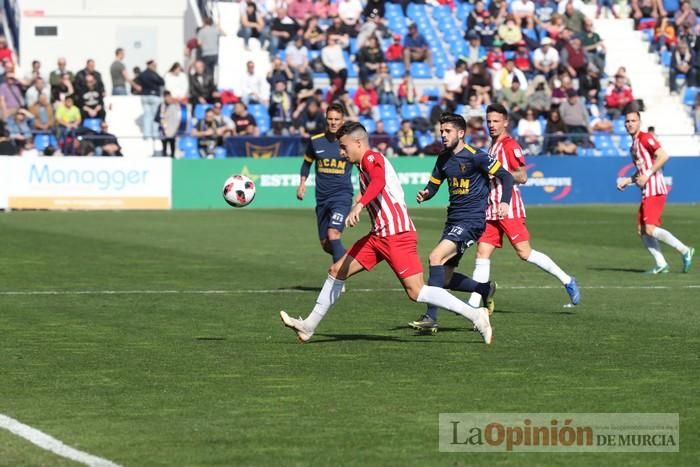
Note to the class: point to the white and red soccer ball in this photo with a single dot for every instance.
(239, 191)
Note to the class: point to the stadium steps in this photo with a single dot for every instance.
(625, 47)
(125, 119)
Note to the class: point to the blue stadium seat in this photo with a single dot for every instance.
(93, 124)
(689, 96)
(421, 70)
(671, 6)
(219, 153)
(463, 10)
(409, 111)
(227, 109)
(666, 58)
(200, 110)
(353, 45)
(432, 93)
(42, 140)
(387, 111)
(425, 139)
(610, 151)
(602, 140)
(369, 124)
(391, 126)
(619, 126)
(397, 69)
(187, 142)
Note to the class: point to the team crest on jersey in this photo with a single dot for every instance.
(462, 168)
(518, 153)
(370, 158)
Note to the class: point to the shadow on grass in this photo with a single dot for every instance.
(303, 288)
(204, 338)
(563, 312)
(636, 271)
(354, 337)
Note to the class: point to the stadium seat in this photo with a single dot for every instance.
(187, 142)
(666, 58)
(391, 126)
(387, 111)
(602, 140)
(409, 111)
(43, 140)
(397, 69)
(425, 139)
(610, 151)
(369, 124)
(432, 93)
(94, 124)
(227, 110)
(671, 6)
(220, 153)
(689, 96)
(421, 70)
(200, 110)
(619, 126)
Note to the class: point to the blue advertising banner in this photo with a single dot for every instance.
(264, 147)
(570, 180)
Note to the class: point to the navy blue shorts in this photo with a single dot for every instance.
(331, 214)
(464, 235)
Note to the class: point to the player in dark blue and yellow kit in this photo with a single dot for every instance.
(333, 184)
(466, 171)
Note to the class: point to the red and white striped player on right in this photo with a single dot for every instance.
(510, 155)
(650, 157)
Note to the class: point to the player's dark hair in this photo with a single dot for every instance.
(453, 119)
(498, 108)
(336, 107)
(633, 110)
(349, 128)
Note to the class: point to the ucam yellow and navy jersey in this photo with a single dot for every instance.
(333, 173)
(467, 176)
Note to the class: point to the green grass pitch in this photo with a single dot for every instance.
(166, 375)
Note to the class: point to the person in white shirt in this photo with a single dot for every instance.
(456, 80)
(33, 93)
(546, 58)
(350, 11)
(177, 83)
(523, 12)
(255, 88)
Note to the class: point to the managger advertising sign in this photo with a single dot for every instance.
(85, 183)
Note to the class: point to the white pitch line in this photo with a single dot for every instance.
(273, 291)
(50, 443)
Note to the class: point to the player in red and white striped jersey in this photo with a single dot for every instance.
(650, 157)
(392, 238)
(510, 155)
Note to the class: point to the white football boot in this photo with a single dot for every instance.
(297, 325)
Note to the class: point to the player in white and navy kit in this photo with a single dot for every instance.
(392, 238)
(649, 158)
(510, 155)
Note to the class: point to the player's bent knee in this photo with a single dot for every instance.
(334, 234)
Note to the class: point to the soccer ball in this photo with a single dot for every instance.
(239, 191)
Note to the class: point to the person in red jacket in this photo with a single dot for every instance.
(617, 97)
(365, 98)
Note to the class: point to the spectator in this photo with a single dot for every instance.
(176, 83)
(339, 31)
(208, 41)
(90, 101)
(374, 9)
(407, 93)
(407, 142)
(38, 88)
(350, 107)
(349, 11)
(310, 120)
(207, 133)
(506, 75)
(515, 100)
(366, 99)
(556, 139)
(498, 9)
(253, 25)
(324, 9)
(18, 127)
(42, 114)
(202, 87)
(68, 119)
(79, 81)
(281, 109)
(394, 53)
(560, 85)
(590, 85)
(487, 30)
(474, 109)
(34, 74)
(510, 33)
(530, 133)
(646, 9)
(475, 128)
(151, 85)
(303, 85)
(119, 74)
(479, 84)
(496, 59)
(475, 52)
(384, 84)
(573, 58)
(279, 72)
(381, 141)
(62, 89)
(6, 53)
(29, 150)
(685, 16)
(443, 106)
(608, 5)
(296, 54)
(622, 71)
(575, 116)
(313, 34)
(226, 125)
(539, 96)
(664, 36)
(597, 121)
(456, 81)
(681, 64)
(11, 92)
(415, 48)
(245, 123)
(170, 117)
(618, 97)
(107, 143)
(544, 11)
(546, 58)
(334, 63)
(593, 45)
(255, 89)
(573, 19)
(476, 16)
(56, 77)
(524, 13)
(522, 59)
(300, 10)
(369, 58)
(7, 147)
(283, 29)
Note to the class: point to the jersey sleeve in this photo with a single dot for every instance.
(514, 155)
(309, 158)
(436, 177)
(650, 143)
(373, 165)
(486, 163)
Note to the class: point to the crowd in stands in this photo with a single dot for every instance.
(539, 58)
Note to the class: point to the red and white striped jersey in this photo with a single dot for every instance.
(510, 155)
(642, 150)
(388, 211)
